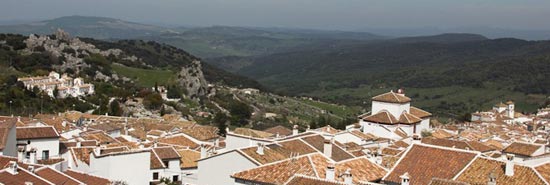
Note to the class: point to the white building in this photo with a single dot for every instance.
(393, 117)
(44, 140)
(504, 112)
(131, 167)
(66, 86)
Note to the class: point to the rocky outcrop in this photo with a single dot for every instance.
(191, 78)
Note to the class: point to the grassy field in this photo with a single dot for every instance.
(146, 77)
(444, 102)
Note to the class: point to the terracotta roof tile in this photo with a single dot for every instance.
(22, 177)
(281, 130)
(202, 133)
(392, 97)
(438, 181)
(189, 158)
(407, 118)
(478, 173)
(56, 177)
(544, 171)
(419, 112)
(88, 179)
(278, 173)
(155, 161)
(36, 132)
(252, 133)
(524, 149)
(382, 117)
(82, 154)
(425, 162)
(166, 153)
(279, 151)
(306, 180)
(180, 141)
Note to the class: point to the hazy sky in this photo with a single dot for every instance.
(323, 14)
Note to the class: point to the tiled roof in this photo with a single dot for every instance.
(328, 129)
(56, 177)
(544, 171)
(313, 165)
(338, 153)
(55, 121)
(407, 118)
(202, 133)
(392, 97)
(306, 180)
(438, 181)
(419, 112)
(88, 179)
(424, 162)
(113, 150)
(383, 116)
(189, 158)
(180, 141)
(99, 136)
(166, 153)
(82, 154)
(367, 137)
(478, 173)
(440, 133)
(469, 145)
(281, 130)
(36, 132)
(279, 151)
(524, 149)
(252, 133)
(155, 161)
(21, 178)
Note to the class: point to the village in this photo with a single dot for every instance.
(394, 143)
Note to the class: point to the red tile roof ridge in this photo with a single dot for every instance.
(430, 146)
(157, 156)
(289, 159)
(314, 170)
(68, 176)
(80, 172)
(31, 173)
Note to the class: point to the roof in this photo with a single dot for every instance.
(21, 177)
(81, 154)
(189, 158)
(281, 130)
(465, 145)
(338, 153)
(56, 177)
(544, 171)
(155, 161)
(278, 151)
(419, 112)
(202, 133)
(252, 133)
(392, 97)
(328, 129)
(166, 153)
(312, 165)
(524, 149)
(88, 179)
(407, 118)
(383, 116)
(438, 181)
(305, 180)
(179, 140)
(478, 173)
(424, 162)
(36, 132)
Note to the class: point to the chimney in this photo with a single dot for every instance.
(327, 148)
(330, 172)
(295, 130)
(203, 151)
(217, 142)
(260, 149)
(31, 169)
(32, 159)
(12, 168)
(492, 178)
(29, 183)
(509, 169)
(348, 179)
(405, 179)
(20, 153)
(140, 146)
(97, 151)
(155, 144)
(78, 144)
(64, 124)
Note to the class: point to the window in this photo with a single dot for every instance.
(155, 175)
(175, 178)
(45, 154)
(28, 155)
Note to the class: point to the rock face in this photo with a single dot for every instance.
(192, 78)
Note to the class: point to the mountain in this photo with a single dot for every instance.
(482, 70)
(86, 26)
(223, 41)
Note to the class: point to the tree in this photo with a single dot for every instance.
(55, 92)
(174, 92)
(162, 111)
(240, 113)
(221, 121)
(115, 109)
(153, 101)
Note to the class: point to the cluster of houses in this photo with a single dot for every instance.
(66, 86)
(394, 144)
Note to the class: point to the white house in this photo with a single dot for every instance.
(66, 86)
(43, 139)
(165, 162)
(131, 167)
(392, 116)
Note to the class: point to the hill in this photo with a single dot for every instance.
(425, 66)
(86, 26)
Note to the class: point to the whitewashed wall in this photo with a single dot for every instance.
(218, 170)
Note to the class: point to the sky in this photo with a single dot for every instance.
(315, 14)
